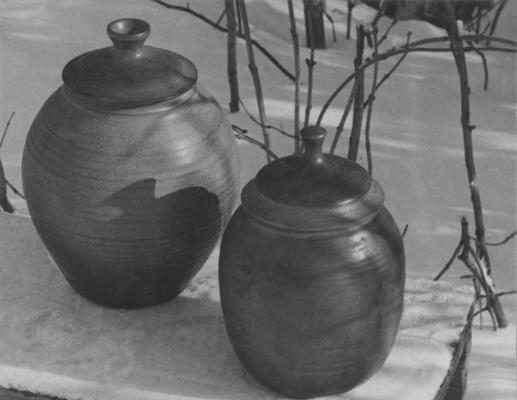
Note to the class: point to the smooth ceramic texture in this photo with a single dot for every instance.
(130, 201)
(312, 311)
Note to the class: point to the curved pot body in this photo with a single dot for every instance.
(130, 201)
(310, 312)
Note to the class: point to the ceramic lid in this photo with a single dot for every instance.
(129, 74)
(313, 191)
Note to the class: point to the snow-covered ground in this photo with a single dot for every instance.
(416, 135)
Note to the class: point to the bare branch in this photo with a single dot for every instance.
(505, 240)
(15, 191)
(296, 57)
(255, 75)
(406, 227)
(455, 254)
(232, 56)
(413, 48)
(371, 99)
(6, 128)
(484, 61)
(221, 17)
(344, 116)
(334, 39)
(4, 201)
(241, 135)
(357, 120)
(214, 24)
(390, 72)
(310, 67)
(274, 128)
(388, 30)
(495, 20)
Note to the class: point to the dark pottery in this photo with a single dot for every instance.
(311, 274)
(130, 171)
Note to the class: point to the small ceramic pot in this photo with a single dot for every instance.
(311, 274)
(130, 171)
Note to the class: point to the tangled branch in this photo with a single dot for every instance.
(216, 25)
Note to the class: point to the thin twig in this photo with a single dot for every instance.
(256, 78)
(15, 191)
(5, 204)
(406, 227)
(371, 99)
(310, 68)
(221, 17)
(461, 65)
(503, 293)
(344, 116)
(455, 254)
(214, 24)
(390, 72)
(331, 20)
(274, 128)
(413, 48)
(388, 30)
(481, 255)
(484, 61)
(357, 118)
(241, 135)
(506, 239)
(296, 57)
(495, 20)
(6, 128)
(350, 7)
(232, 56)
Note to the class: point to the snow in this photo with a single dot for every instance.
(416, 135)
(54, 341)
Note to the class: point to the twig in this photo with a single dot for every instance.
(371, 99)
(334, 39)
(214, 24)
(455, 254)
(241, 135)
(496, 18)
(232, 56)
(390, 72)
(483, 284)
(413, 48)
(296, 57)
(406, 227)
(350, 6)
(255, 75)
(344, 116)
(221, 16)
(4, 201)
(239, 18)
(388, 30)
(503, 293)
(5, 204)
(310, 67)
(274, 128)
(484, 61)
(357, 120)
(506, 239)
(15, 191)
(481, 253)
(6, 128)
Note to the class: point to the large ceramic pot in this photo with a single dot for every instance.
(311, 274)
(130, 171)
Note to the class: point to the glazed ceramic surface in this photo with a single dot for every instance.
(312, 274)
(130, 171)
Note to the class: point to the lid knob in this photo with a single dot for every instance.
(313, 137)
(128, 33)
